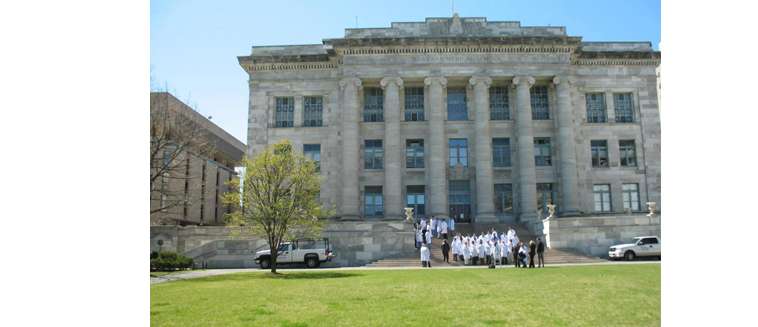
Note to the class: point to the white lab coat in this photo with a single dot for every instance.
(443, 227)
(424, 253)
(429, 238)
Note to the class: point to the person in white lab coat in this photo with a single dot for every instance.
(495, 252)
(443, 228)
(425, 259)
(466, 252)
(505, 252)
(523, 255)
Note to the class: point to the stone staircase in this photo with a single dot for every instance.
(552, 255)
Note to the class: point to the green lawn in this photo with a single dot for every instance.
(609, 295)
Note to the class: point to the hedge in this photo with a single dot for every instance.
(167, 261)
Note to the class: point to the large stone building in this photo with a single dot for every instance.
(190, 188)
(462, 117)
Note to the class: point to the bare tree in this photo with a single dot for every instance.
(175, 137)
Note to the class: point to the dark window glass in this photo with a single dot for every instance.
(373, 154)
(373, 205)
(622, 105)
(414, 104)
(459, 200)
(628, 153)
(499, 107)
(504, 198)
(456, 104)
(545, 195)
(540, 106)
(596, 108)
(599, 149)
(285, 112)
(458, 152)
(414, 198)
(542, 156)
(313, 152)
(373, 104)
(602, 196)
(414, 153)
(501, 152)
(313, 108)
(631, 196)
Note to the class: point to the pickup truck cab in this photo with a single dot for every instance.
(641, 246)
(310, 252)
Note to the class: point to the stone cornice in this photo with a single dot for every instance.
(568, 41)
(250, 67)
(454, 49)
(623, 62)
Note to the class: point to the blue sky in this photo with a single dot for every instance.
(194, 44)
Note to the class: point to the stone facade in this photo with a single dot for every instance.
(443, 56)
(593, 235)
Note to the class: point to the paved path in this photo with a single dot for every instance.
(215, 272)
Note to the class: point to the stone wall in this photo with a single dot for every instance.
(593, 235)
(354, 243)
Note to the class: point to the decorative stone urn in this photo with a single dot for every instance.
(651, 207)
(550, 211)
(409, 215)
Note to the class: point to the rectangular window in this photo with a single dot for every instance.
(285, 111)
(501, 152)
(596, 108)
(313, 108)
(499, 107)
(628, 153)
(459, 199)
(542, 155)
(414, 154)
(414, 198)
(622, 104)
(414, 104)
(540, 106)
(504, 198)
(313, 152)
(373, 104)
(458, 152)
(545, 195)
(456, 104)
(373, 154)
(599, 149)
(631, 194)
(602, 196)
(373, 205)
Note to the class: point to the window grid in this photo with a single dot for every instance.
(285, 111)
(373, 154)
(459, 192)
(456, 104)
(631, 196)
(458, 152)
(542, 156)
(602, 196)
(414, 154)
(499, 106)
(313, 152)
(545, 195)
(599, 149)
(504, 198)
(313, 108)
(501, 152)
(414, 104)
(415, 199)
(373, 201)
(622, 104)
(628, 153)
(373, 105)
(596, 108)
(540, 103)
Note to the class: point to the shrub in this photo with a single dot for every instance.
(167, 261)
(153, 255)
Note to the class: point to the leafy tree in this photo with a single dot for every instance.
(279, 197)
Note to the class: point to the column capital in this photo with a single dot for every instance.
(563, 79)
(350, 81)
(437, 79)
(391, 80)
(485, 80)
(528, 80)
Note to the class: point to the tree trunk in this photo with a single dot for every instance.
(274, 255)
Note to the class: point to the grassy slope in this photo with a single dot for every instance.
(554, 296)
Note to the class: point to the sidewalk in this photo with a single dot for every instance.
(215, 272)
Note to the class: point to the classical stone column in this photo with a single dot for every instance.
(393, 150)
(566, 146)
(485, 207)
(437, 167)
(350, 147)
(526, 174)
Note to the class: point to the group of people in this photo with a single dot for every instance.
(487, 248)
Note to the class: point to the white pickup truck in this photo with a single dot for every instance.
(641, 246)
(310, 252)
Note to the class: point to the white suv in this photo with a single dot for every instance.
(641, 246)
(310, 252)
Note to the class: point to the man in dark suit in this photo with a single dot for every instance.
(540, 253)
(445, 251)
(532, 252)
(515, 249)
